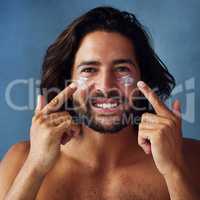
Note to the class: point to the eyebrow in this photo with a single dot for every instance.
(114, 62)
(124, 61)
(91, 62)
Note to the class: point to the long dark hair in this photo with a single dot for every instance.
(60, 55)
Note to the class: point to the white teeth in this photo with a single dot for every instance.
(106, 105)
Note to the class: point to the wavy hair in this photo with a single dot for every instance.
(59, 57)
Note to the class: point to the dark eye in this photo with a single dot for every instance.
(122, 69)
(88, 70)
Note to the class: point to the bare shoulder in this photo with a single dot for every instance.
(12, 163)
(191, 151)
(191, 148)
(16, 152)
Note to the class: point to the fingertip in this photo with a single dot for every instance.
(176, 108)
(141, 84)
(39, 97)
(38, 102)
(176, 104)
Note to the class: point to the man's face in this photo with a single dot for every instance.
(102, 59)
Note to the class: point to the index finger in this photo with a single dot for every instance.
(58, 100)
(157, 104)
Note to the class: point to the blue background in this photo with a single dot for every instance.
(28, 27)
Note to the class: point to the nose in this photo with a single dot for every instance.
(105, 82)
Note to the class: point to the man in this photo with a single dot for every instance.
(104, 154)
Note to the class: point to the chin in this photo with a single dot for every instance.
(104, 125)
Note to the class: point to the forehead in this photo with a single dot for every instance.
(104, 46)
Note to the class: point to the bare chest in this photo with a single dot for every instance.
(118, 192)
(123, 186)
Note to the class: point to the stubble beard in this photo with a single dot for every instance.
(103, 124)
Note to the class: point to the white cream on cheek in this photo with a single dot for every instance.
(126, 80)
(81, 82)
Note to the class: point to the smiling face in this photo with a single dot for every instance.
(106, 63)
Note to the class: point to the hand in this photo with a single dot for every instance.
(48, 129)
(160, 134)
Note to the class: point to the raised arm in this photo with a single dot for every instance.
(46, 133)
(160, 134)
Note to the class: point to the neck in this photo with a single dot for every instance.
(106, 150)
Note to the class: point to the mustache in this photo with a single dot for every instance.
(112, 94)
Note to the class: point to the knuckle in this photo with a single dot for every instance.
(37, 115)
(174, 118)
(55, 102)
(144, 116)
(156, 103)
(162, 129)
(42, 119)
(57, 114)
(60, 128)
(37, 118)
(53, 115)
(45, 124)
(45, 117)
(61, 120)
(64, 113)
(171, 124)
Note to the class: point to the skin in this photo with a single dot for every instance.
(103, 166)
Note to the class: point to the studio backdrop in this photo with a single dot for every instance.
(28, 27)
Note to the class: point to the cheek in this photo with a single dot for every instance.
(131, 94)
(126, 81)
(126, 84)
(82, 82)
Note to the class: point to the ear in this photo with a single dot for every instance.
(176, 108)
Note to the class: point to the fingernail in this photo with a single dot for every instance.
(140, 84)
(38, 97)
(38, 100)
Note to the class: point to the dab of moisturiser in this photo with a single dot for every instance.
(126, 80)
(81, 82)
